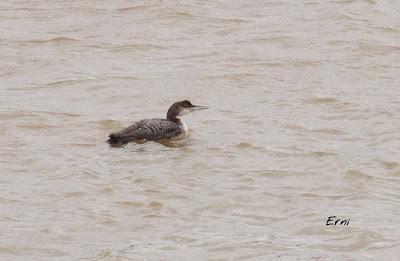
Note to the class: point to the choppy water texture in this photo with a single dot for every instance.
(303, 125)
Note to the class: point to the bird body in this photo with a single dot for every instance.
(157, 129)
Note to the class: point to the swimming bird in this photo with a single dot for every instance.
(157, 129)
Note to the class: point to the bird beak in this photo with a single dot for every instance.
(198, 107)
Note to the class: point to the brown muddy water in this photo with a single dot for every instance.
(303, 125)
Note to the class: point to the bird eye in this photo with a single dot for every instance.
(186, 104)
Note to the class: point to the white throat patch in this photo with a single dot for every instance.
(184, 111)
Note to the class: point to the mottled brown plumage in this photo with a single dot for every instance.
(156, 129)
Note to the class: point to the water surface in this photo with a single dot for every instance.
(303, 125)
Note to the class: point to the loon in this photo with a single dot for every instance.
(157, 129)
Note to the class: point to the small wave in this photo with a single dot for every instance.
(9, 200)
(36, 125)
(33, 114)
(280, 173)
(137, 47)
(131, 8)
(390, 164)
(130, 204)
(155, 205)
(60, 83)
(322, 154)
(356, 174)
(74, 194)
(365, 239)
(321, 131)
(58, 40)
(108, 124)
(246, 146)
(321, 100)
(330, 131)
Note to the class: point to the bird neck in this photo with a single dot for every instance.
(174, 118)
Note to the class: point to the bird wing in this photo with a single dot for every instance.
(157, 129)
(130, 130)
(153, 129)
